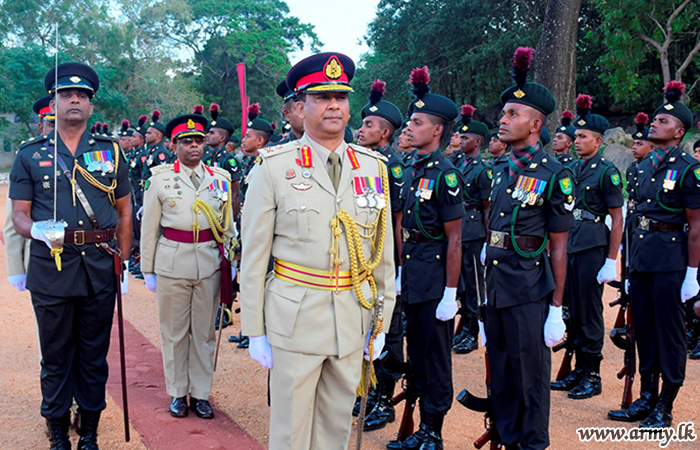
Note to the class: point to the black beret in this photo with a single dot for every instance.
(381, 108)
(284, 91)
(673, 106)
(586, 120)
(234, 139)
(545, 137)
(72, 76)
(324, 72)
(187, 125)
(436, 105)
(348, 135)
(642, 133)
(533, 95)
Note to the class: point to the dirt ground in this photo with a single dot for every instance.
(240, 389)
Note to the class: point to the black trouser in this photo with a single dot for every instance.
(429, 345)
(520, 365)
(586, 327)
(389, 365)
(470, 299)
(659, 323)
(74, 334)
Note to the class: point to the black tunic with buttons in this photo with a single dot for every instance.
(477, 188)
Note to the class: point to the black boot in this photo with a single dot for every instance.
(88, 429)
(383, 411)
(372, 396)
(433, 440)
(236, 339)
(642, 407)
(245, 343)
(414, 441)
(591, 384)
(661, 416)
(58, 432)
(471, 341)
(695, 352)
(464, 332)
(573, 378)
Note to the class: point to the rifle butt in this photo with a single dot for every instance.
(627, 391)
(484, 439)
(565, 367)
(407, 426)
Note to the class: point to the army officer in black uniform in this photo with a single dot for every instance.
(530, 207)
(75, 288)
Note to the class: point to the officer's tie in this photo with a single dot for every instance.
(334, 173)
(195, 179)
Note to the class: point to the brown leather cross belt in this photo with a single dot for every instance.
(415, 236)
(187, 236)
(500, 239)
(648, 224)
(81, 237)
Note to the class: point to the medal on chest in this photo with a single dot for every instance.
(99, 161)
(368, 192)
(425, 188)
(219, 190)
(529, 190)
(670, 180)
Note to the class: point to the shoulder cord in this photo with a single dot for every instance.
(514, 219)
(218, 224)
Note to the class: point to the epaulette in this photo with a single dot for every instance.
(269, 152)
(688, 158)
(550, 163)
(31, 141)
(220, 171)
(368, 152)
(104, 137)
(161, 168)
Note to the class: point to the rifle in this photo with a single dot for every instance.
(565, 367)
(409, 394)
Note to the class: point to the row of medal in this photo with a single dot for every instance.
(529, 190)
(99, 161)
(219, 190)
(369, 192)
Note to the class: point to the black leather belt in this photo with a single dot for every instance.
(648, 224)
(582, 214)
(415, 236)
(81, 237)
(500, 239)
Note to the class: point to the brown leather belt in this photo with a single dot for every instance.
(648, 224)
(415, 236)
(474, 208)
(81, 237)
(187, 236)
(500, 239)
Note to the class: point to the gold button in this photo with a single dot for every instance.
(673, 239)
(495, 263)
(588, 188)
(197, 194)
(437, 256)
(82, 253)
(509, 190)
(641, 236)
(469, 185)
(337, 200)
(502, 214)
(302, 207)
(409, 211)
(544, 160)
(46, 177)
(472, 217)
(648, 200)
(537, 263)
(653, 180)
(80, 222)
(412, 188)
(198, 245)
(408, 256)
(665, 190)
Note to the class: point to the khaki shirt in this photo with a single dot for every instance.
(168, 201)
(16, 247)
(287, 215)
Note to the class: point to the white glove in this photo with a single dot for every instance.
(233, 273)
(139, 213)
(482, 333)
(554, 326)
(398, 282)
(40, 235)
(18, 281)
(261, 351)
(447, 308)
(608, 272)
(482, 256)
(125, 281)
(378, 345)
(150, 279)
(690, 287)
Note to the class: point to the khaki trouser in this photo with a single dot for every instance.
(187, 311)
(311, 400)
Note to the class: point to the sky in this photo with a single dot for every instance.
(339, 24)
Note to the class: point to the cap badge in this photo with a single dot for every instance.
(465, 128)
(562, 128)
(213, 122)
(420, 104)
(581, 122)
(333, 69)
(373, 108)
(190, 124)
(668, 107)
(75, 79)
(519, 93)
(250, 124)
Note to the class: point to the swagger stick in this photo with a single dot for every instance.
(118, 267)
(367, 372)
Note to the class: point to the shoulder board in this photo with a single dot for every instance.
(269, 152)
(32, 141)
(161, 168)
(550, 163)
(687, 157)
(218, 170)
(368, 152)
(103, 137)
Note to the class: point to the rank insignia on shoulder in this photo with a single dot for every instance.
(451, 180)
(697, 173)
(489, 174)
(615, 179)
(259, 160)
(397, 172)
(566, 186)
(147, 185)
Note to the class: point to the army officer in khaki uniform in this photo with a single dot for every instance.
(182, 265)
(309, 322)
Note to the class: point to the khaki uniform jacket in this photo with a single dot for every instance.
(16, 247)
(288, 215)
(168, 200)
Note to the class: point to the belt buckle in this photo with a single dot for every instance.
(406, 234)
(577, 214)
(80, 233)
(496, 239)
(644, 223)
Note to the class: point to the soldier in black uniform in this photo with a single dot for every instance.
(157, 153)
(294, 126)
(45, 115)
(477, 190)
(564, 139)
(432, 205)
(664, 253)
(380, 119)
(75, 288)
(592, 252)
(531, 205)
(137, 167)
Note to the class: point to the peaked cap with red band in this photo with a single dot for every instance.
(41, 107)
(324, 72)
(187, 125)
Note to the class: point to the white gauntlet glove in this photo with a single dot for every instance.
(447, 308)
(482, 256)
(18, 281)
(40, 235)
(398, 282)
(554, 326)
(261, 351)
(690, 287)
(378, 345)
(150, 279)
(125, 282)
(608, 272)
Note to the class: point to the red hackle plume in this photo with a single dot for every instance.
(105, 128)
(253, 111)
(142, 119)
(420, 78)
(641, 121)
(566, 117)
(674, 91)
(273, 125)
(377, 92)
(125, 126)
(214, 111)
(98, 126)
(521, 64)
(92, 129)
(197, 109)
(155, 115)
(583, 104)
(467, 113)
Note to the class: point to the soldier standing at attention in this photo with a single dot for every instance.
(73, 285)
(592, 251)
(431, 258)
(191, 203)
(157, 152)
(219, 131)
(664, 253)
(380, 119)
(294, 128)
(477, 191)
(564, 139)
(321, 210)
(531, 206)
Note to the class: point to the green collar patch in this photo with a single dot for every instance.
(451, 180)
(397, 172)
(566, 186)
(148, 183)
